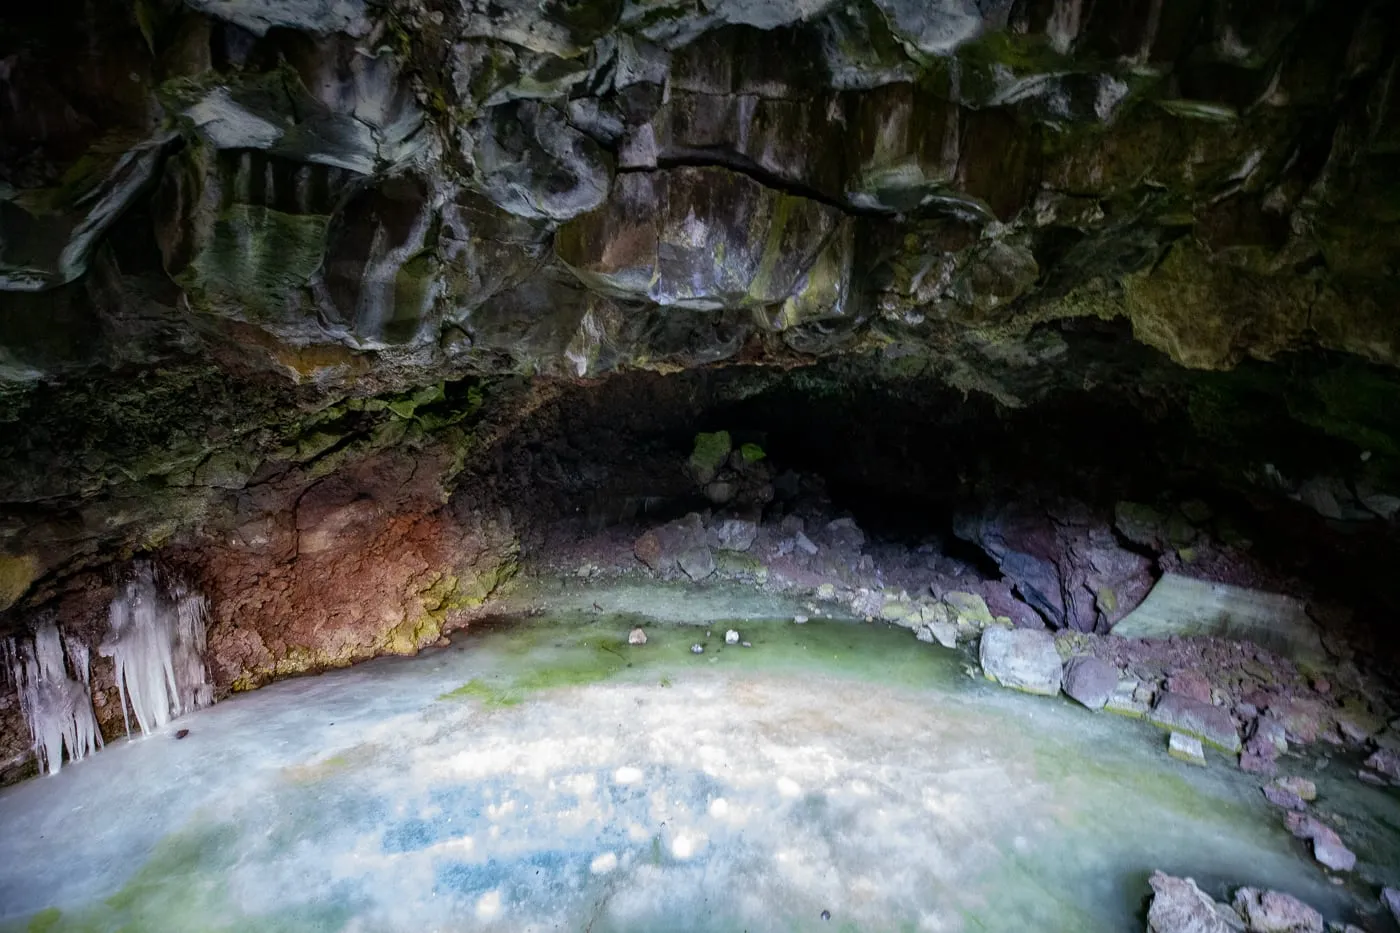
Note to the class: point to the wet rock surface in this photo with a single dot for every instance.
(1208, 723)
(1090, 681)
(1327, 846)
(1021, 658)
(1276, 912)
(1180, 906)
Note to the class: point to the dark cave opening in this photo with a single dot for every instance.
(929, 473)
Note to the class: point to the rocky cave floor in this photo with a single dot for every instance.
(932, 552)
(545, 772)
(1241, 639)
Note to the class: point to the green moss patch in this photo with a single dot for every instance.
(709, 454)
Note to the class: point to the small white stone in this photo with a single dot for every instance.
(603, 863)
(1186, 748)
(731, 637)
(800, 620)
(697, 648)
(945, 633)
(636, 637)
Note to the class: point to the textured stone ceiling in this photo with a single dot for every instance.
(247, 245)
(325, 188)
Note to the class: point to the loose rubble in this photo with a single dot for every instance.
(1327, 846)
(1275, 912)
(1180, 906)
(1256, 705)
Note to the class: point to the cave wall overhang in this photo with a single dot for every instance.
(247, 246)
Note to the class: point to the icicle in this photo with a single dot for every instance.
(192, 621)
(57, 708)
(156, 638)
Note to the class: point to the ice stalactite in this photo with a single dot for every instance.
(57, 707)
(156, 638)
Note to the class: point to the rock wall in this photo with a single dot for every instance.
(568, 188)
(262, 264)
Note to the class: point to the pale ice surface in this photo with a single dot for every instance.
(548, 776)
(156, 639)
(50, 672)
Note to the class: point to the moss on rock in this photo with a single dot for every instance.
(17, 574)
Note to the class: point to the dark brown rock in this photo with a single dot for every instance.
(1211, 724)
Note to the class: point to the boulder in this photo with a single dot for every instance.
(1390, 897)
(1090, 680)
(1267, 738)
(1387, 762)
(1179, 906)
(733, 534)
(1210, 724)
(1276, 912)
(1302, 787)
(677, 546)
(1328, 848)
(845, 534)
(1023, 659)
(968, 609)
(696, 562)
(1281, 797)
(1186, 606)
(1066, 563)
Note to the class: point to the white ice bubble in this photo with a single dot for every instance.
(488, 906)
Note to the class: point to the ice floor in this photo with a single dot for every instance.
(546, 776)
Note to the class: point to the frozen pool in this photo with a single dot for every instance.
(544, 775)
